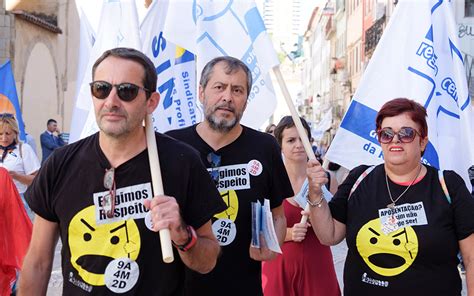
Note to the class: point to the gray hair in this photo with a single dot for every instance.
(232, 65)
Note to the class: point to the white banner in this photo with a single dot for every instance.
(318, 130)
(87, 37)
(418, 57)
(233, 28)
(176, 73)
(118, 27)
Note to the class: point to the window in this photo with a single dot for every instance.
(469, 8)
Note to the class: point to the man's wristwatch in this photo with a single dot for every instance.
(192, 239)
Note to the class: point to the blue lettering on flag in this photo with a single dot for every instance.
(158, 44)
(168, 86)
(427, 52)
(161, 68)
(250, 60)
(450, 87)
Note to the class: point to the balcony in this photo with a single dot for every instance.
(372, 35)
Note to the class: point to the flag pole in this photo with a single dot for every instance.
(157, 182)
(297, 121)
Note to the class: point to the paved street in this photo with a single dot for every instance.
(339, 256)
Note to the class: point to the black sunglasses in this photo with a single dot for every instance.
(6, 115)
(215, 161)
(109, 199)
(126, 91)
(405, 135)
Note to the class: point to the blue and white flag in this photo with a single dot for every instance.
(233, 28)
(118, 27)
(8, 96)
(418, 57)
(176, 73)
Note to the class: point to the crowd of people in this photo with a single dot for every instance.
(404, 222)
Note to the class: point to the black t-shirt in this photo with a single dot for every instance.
(419, 255)
(120, 255)
(250, 169)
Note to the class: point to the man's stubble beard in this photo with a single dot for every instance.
(223, 125)
(123, 130)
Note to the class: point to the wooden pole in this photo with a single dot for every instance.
(296, 119)
(157, 183)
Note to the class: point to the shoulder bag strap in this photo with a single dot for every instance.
(443, 185)
(361, 177)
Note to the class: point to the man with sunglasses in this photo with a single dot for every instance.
(96, 194)
(246, 166)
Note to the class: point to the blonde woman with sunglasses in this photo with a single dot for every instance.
(17, 157)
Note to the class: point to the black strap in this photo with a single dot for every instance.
(6, 149)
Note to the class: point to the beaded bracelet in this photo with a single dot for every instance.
(318, 203)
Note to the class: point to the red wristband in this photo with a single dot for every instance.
(192, 239)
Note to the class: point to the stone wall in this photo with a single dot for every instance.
(6, 33)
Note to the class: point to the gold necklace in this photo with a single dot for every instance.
(392, 204)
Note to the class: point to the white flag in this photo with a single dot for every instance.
(118, 27)
(418, 57)
(176, 73)
(233, 28)
(317, 132)
(86, 42)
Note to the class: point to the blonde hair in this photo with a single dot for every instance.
(11, 123)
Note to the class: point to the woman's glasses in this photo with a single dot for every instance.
(405, 135)
(109, 199)
(6, 115)
(126, 91)
(215, 161)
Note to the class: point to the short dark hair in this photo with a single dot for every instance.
(232, 65)
(51, 121)
(287, 122)
(399, 106)
(149, 75)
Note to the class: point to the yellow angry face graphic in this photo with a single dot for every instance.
(94, 246)
(387, 254)
(232, 202)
